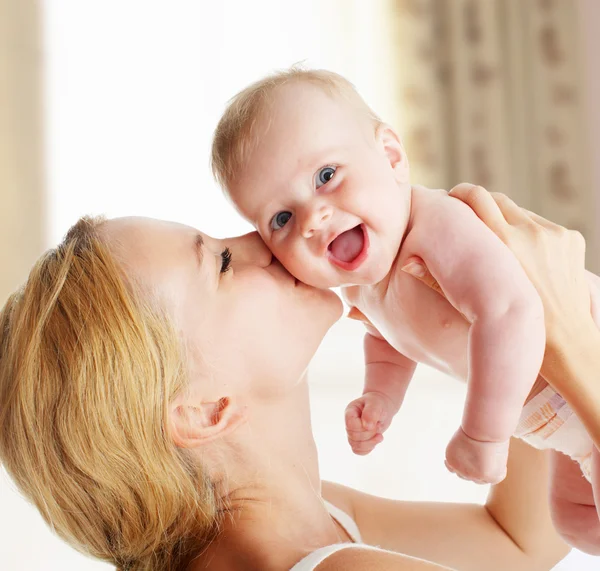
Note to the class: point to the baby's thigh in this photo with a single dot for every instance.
(578, 525)
(572, 505)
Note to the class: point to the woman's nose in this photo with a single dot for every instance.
(249, 249)
(314, 220)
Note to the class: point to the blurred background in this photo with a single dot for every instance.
(108, 106)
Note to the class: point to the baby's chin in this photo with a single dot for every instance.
(320, 282)
(360, 277)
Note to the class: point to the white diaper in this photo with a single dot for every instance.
(547, 422)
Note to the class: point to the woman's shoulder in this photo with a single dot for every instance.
(361, 557)
(355, 556)
(342, 497)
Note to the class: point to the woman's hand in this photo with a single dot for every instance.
(552, 256)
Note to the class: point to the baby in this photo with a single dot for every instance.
(326, 184)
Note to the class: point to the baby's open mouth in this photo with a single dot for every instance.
(349, 249)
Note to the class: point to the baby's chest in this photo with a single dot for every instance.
(414, 319)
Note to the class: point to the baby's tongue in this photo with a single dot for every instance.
(348, 244)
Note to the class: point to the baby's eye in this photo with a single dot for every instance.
(324, 176)
(280, 220)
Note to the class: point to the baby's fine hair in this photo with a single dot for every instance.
(236, 134)
(88, 366)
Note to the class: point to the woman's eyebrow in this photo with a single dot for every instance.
(198, 247)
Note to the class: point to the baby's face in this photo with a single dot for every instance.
(327, 192)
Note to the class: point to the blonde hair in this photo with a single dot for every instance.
(87, 369)
(237, 133)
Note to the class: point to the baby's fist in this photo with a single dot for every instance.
(367, 418)
(480, 462)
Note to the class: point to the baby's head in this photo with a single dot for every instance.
(321, 177)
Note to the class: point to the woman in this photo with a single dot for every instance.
(154, 407)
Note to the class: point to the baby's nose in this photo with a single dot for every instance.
(314, 220)
(249, 249)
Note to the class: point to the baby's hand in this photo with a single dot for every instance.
(480, 462)
(367, 418)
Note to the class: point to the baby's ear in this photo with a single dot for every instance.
(391, 145)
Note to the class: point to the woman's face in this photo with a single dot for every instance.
(246, 322)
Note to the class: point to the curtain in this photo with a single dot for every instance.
(493, 92)
(21, 169)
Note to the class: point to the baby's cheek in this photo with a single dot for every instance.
(293, 262)
(311, 273)
(277, 249)
(304, 270)
(300, 264)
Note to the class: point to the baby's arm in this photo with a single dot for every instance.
(484, 281)
(387, 375)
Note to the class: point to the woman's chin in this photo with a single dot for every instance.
(337, 305)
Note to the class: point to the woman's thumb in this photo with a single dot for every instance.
(416, 267)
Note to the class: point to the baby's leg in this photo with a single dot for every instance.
(548, 422)
(572, 505)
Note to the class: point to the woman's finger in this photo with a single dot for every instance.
(482, 203)
(512, 213)
(416, 267)
(542, 221)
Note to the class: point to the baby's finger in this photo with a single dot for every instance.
(360, 435)
(416, 267)
(363, 448)
(353, 418)
(482, 203)
(372, 415)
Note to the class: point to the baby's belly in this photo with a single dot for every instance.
(419, 323)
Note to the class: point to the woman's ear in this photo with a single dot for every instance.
(391, 145)
(195, 424)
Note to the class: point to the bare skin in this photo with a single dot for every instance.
(329, 193)
(497, 347)
(246, 422)
(571, 362)
(320, 187)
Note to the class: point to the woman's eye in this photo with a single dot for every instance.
(324, 176)
(280, 220)
(226, 258)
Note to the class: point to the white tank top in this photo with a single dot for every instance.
(310, 562)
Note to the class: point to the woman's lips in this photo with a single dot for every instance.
(350, 235)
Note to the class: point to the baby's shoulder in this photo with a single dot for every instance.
(445, 232)
(437, 217)
(437, 204)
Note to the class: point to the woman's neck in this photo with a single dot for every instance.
(271, 530)
(276, 515)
